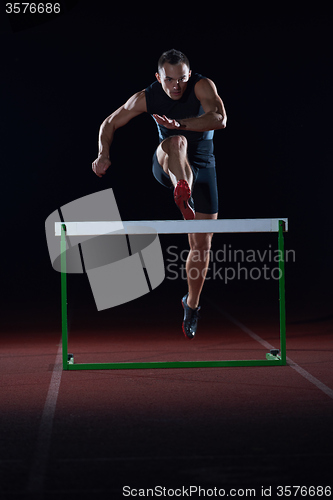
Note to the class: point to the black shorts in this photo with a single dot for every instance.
(204, 190)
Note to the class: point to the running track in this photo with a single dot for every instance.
(92, 432)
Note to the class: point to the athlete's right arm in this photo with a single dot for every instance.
(133, 107)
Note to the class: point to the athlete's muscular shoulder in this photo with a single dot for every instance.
(134, 106)
(205, 89)
(137, 103)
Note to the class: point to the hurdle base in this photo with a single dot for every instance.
(269, 361)
(271, 357)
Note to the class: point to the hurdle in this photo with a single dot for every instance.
(276, 357)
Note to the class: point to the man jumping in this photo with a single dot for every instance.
(187, 109)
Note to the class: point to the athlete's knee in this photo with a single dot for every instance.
(201, 243)
(175, 143)
(178, 142)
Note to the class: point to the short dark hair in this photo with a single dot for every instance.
(172, 56)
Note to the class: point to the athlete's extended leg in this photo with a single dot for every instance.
(172, 156)
(198, 261)
(196, 268)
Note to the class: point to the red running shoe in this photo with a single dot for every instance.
(183, 199)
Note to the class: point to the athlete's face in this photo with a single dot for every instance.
(174, 78)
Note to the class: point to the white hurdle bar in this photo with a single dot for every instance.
(94, 228)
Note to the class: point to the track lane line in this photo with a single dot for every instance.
(304, 373)
(41, 455)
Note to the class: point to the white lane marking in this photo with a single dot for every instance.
(40, 459)
(320, 385)
(311, 378)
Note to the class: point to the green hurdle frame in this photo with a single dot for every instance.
(276, 357)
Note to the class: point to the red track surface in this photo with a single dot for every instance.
(213, 427)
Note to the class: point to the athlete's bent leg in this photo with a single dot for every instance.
(172, 156)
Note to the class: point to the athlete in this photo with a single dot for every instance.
(187, 109)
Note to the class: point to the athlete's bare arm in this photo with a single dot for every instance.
(133, 107)
(214, 118)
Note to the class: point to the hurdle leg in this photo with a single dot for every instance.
(282, 299)
(64, 322)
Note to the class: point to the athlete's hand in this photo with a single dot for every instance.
(100, 165)
(167, 122)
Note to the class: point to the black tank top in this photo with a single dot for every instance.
(200, 144)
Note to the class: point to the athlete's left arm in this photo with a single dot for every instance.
(215, 117)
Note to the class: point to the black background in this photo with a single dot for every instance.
(61, 78)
